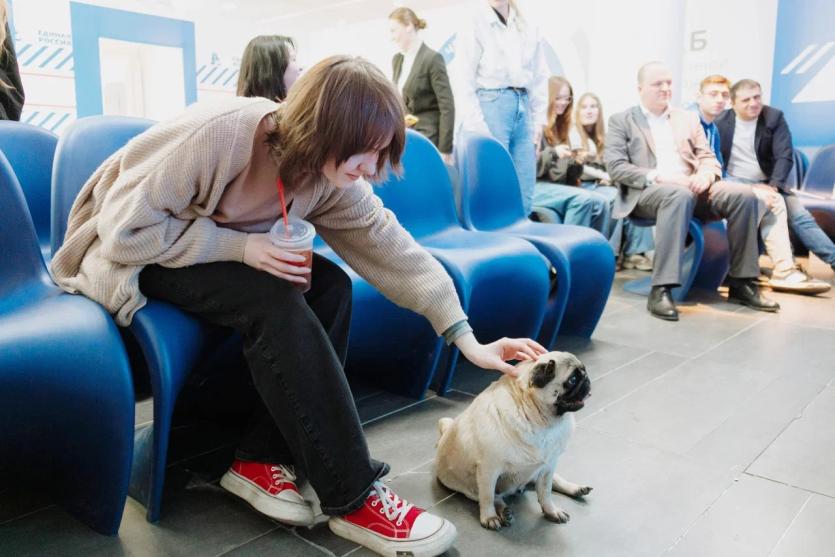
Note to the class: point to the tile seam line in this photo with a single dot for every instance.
(789, 526)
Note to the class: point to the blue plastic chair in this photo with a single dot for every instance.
(30, 149)
(483, 265)
(171, 341)
(491, 200)
(705, 262)
(817, 193)
(800, 164)
(66, 392)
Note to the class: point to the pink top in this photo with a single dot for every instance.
(250, 201)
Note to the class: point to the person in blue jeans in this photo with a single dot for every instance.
(501, 84)
(559, 171)
(757, 148)
(572, 179)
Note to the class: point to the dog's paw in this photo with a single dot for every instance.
(557, 515)
(582, 491)
(507, 517)
(492, 523)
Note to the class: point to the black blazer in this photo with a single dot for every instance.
(427, 95)
(772, 143)
(11, 98)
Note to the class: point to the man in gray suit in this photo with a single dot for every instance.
(665, 170)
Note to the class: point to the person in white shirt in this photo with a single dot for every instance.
(743, 167)
(502, 85)
(420, 75)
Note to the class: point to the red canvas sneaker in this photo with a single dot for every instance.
(392, 527)
(270, 489)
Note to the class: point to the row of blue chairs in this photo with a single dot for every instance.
(63, 361)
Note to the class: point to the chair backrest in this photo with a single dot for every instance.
(85, 144)
(490, 197)
(794, 180)
(820, 178)
(802, 162)
(22, 266)
(422, 198)
(30, 149)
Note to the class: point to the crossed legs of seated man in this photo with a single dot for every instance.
(786, 276)
(672, 206)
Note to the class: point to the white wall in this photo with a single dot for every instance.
(600, 43)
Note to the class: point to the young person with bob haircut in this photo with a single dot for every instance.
(181, 214)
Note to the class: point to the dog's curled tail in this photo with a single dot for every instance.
(443, 426)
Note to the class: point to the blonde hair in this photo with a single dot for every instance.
(556, 129)
(598, 133)
(4, 18)
(341, 107)
(405, 16)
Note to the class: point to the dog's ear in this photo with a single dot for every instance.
(543, 374)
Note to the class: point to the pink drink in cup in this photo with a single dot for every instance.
(297, 237)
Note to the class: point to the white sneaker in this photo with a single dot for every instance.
(798, 282)
(389, 526)
(637, 261)
(270, 488)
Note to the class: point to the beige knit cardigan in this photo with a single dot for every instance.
(151, 202)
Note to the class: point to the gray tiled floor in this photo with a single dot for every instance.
(709, 437)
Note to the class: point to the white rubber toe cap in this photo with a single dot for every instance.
(426, 524)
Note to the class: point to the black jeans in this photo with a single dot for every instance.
(295, 346)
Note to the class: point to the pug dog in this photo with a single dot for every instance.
(512, 434)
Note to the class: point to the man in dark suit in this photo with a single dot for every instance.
(765, 157)
(428, 96)
(660, 159)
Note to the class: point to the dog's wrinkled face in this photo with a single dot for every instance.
(558, 380)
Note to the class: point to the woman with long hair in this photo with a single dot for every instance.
(268, 68)
(420, 74)
(11, 88)
(560, 168)
(181, 214)
(502, 84)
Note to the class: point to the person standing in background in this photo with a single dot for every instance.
(268, 68)
(11, 88)
(502, 84)
(420, 74)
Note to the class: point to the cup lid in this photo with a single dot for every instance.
(298, 231)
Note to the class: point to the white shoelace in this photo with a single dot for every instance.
(282, 472)
(392, 505)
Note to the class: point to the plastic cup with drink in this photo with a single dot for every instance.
(295, 235)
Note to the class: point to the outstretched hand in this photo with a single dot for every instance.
(496, 354)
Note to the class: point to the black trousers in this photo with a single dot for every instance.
(295, 345)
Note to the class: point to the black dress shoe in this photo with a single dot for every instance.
(747, 293)
(661, 305)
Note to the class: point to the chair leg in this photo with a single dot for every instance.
(691, 260)
(716, 260)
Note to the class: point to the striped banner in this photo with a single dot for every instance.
(216, 76)
(49, 119)
(32, 56)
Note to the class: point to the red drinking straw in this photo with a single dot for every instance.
(280, 185)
